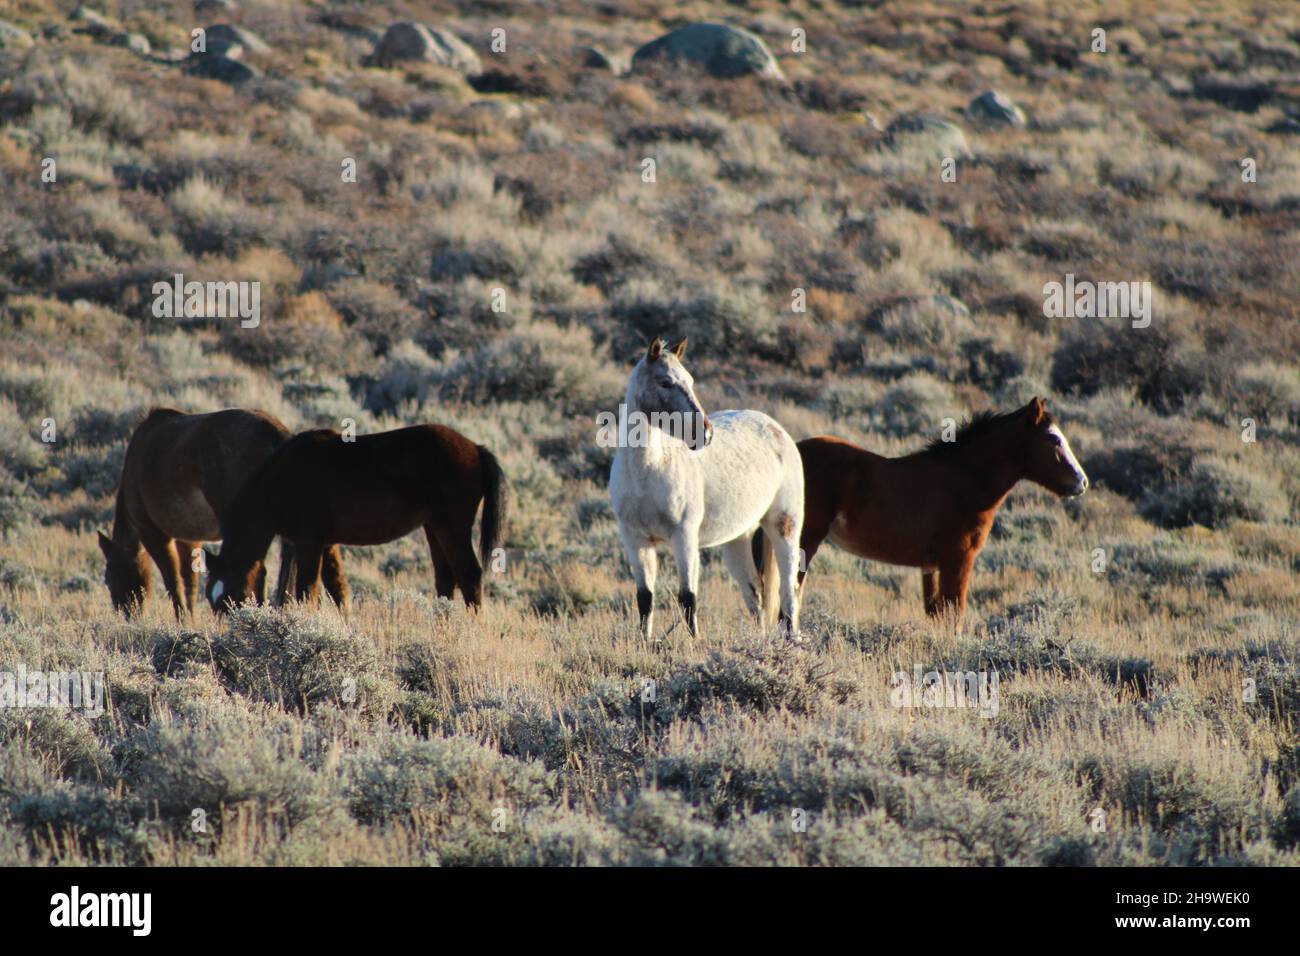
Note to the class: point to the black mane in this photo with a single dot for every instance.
(978, 426)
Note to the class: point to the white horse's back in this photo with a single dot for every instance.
(750, 464)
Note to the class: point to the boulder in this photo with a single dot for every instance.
(721, 50)
(595, 59)
(135, 42)
(227, 35)
(415, 41)
(92, 22)
(992, 108)
(944, 137)
(212, 66)
(14, 38)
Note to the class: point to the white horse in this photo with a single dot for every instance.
(696, 481)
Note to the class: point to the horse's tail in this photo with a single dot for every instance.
(769, 580)
(285, 582)
(494, 505)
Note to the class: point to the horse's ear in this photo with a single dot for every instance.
(656, 349)
(1036, 410)
(105, 543)
(680, 349)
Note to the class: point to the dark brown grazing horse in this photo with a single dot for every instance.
(319, 489)
(181, 473)
(932, 509)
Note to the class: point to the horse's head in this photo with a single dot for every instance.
(126, 574)
(229, 586)
(661, 385)
(1048, 459)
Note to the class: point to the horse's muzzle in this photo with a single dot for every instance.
(706, 432)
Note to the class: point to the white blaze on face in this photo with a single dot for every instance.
(218, 589)
(1070, 460)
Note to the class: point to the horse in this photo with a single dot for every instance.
(703, 481)
(180, 475)
(932, 509)
(320, 489)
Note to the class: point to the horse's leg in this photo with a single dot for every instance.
(783, 528)
(189, 577)
(307, 562)
(954, 579)
(740, 562)
(644, 560)
(444, 577)
(930, 591)
(163, 551)
(458, 545)
(686, 553)
(336, 585)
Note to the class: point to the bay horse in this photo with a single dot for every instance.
(933, 509)
(695, 481)
(180, 475)
(321, 489)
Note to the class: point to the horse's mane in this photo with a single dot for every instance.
(160, 411)
(978, 426)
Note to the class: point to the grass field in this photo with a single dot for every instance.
(499, 260)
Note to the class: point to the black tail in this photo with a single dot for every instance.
(284, 584)
(494, 506)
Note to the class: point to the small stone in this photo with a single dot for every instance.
(994, 109)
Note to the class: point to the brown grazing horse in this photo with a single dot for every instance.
(180, 475)
(932, 509)
(319, 489)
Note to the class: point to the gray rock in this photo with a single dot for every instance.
(135, 42)
(415, 41)
(722, 50)
(944, 137)
(594, 59)
(91, 21)
(210, 66)
(14, 38)
(225, 33)
(992, 108)
(226, 48)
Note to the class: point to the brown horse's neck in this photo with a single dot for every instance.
(125, 536)
(990, 469)
(248, 526)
